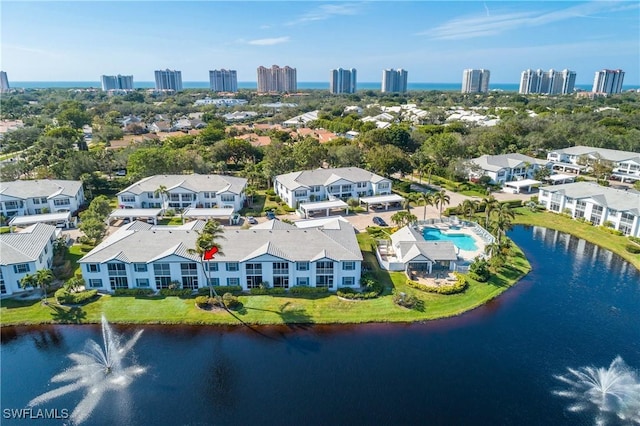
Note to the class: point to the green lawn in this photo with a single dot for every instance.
(286, 309)
(585, 231)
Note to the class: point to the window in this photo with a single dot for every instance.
(213, 282)
(254, 274)
(190, 282)
(348, 281)
(302, 281)
(300, 193)
(211, 267)
(233, 281)
(140, 267)
(190, 268)
(127, 198)
(302, 266)
(348, 266)
(208, 195)
(362, 184)
(281, 281)
(3, 288)
(324, 281)
(142, 282)
(383, 185)
(116, 269)
(93, 267)
(232, 266)
(324, 268)
(61, 202)
(316, 188)
(189, 275)
(118, 282)
(95, 283)
(228, 198)
(280, 268)
(21, 268)
(162, 272)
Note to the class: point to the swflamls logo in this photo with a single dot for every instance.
(35, 413)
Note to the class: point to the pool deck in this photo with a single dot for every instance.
(461, 229)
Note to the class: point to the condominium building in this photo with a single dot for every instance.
(31, 197)
(597, 204)
(4, 82)
(608, 81)
(505, 167)
(140, 255)
(342, 81)
(223, 80)
(626, 164)
(394, 81)
(168, 80)
(23, 253)
(550, 82)
(185, 191)
(329, 184)
(475, 81)
(116, 82)
(276, 79)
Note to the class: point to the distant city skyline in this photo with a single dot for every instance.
(436, 41)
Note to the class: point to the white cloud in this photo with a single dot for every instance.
(327, 11)
(268, 41)
(497, 23)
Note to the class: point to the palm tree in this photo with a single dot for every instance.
(208, 240)
(250, 192)
(504, 216)
(429, 168)
(490, 204)
(403, 218)
(440, 198)
(408, 199)
(41, 279)
(163, 192)
(427, 199)
(468, 208)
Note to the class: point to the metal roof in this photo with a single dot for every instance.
(24, 189)
(392, 198)
(39, 218)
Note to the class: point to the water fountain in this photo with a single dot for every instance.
(98, 369)
(613, 391)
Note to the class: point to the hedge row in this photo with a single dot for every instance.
(267, 291)
(133, 292)
(632, 248)
(66, 298)
(308, 290)
(219, 289)
(349, 293)
(458, 287)
(180, 292)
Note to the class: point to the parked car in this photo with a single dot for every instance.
(252, 220)
(271, 215)
(379, 221)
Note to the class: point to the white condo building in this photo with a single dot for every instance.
(223, 80)
(116, 82)
(329, 184)
(596, 204)
(342, 81)
(168, 80)
(394, 81)
(4, 82)
(34, 197)
(276, 79)
(185, 191)
(475, 81)
(505, 167)
(550, 82)
(140, 255)
(23, 253)
(626, 164)
(608, 81)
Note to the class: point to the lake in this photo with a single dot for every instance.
(495, 365)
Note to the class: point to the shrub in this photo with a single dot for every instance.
(288, 209)
(231, 301)
(270, 191)
(66, 298)
(133, 292)
(402, 186)
(611, 230)
(349, 293)
(233, 289)
(405, 299)
(179, 292)
(479, 270)
(512, 203)
(369, 283)
(308, 290)
(458, 287)
(632, 248)
(634, 239)
(202, 301)
(266, 291)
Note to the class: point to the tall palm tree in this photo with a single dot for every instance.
(426, 199)
(163, 192)
(40, 279)
(408, 199)
(490, 204)
(208, 240)
(504, 216)
(429, 168)
(468, 208)
(440, 198)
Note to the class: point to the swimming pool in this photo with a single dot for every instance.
(462, 241)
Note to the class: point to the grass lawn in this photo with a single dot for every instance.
(285, 309)
(586, 231)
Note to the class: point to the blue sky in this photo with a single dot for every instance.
(434, 41)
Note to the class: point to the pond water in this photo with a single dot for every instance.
(579, 306)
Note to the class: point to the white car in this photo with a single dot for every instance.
(252, 220)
